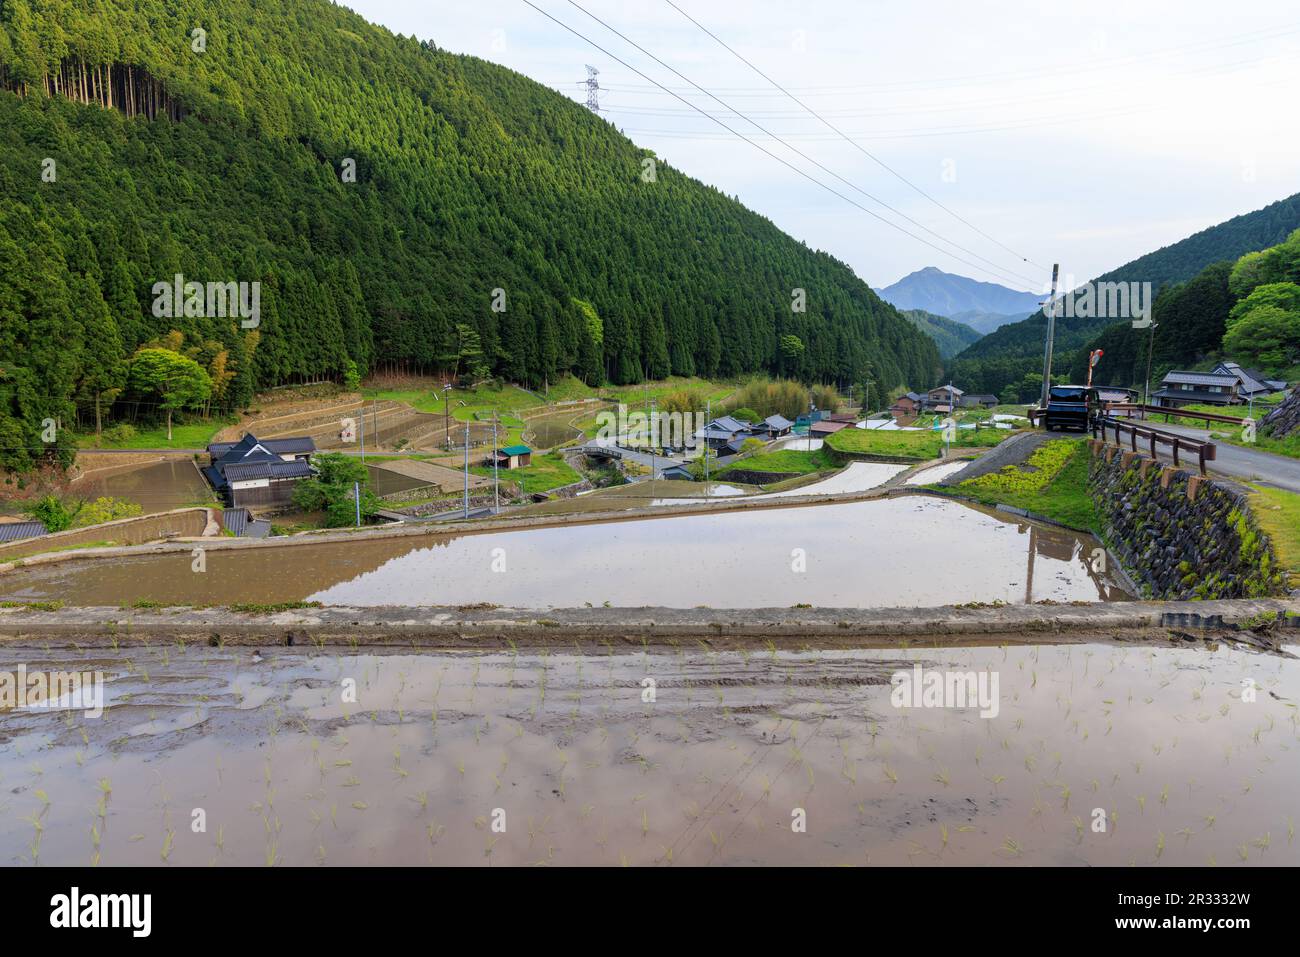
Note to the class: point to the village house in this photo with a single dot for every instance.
(973, 401)
(1250, 383)
(1196, 388)
(240, 523)
(1110, 394)
(17, 530)
(511, 457)
(724, 432)
(819, 430)
(259, 474)
(907, 405)
(776, 426)
(942, 399)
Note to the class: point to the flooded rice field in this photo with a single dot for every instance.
(387, 482)
(912, 551)
(161, 486)
(1092, 754)
(548, 431)
(855, 477)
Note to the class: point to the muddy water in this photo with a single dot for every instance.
(855, 477)
(545, 432)
(158, 487)
(566, 752)
(384, 482)
(913, 551)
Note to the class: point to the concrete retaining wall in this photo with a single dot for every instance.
(415, 627)
(182, 523)
(1180, 535)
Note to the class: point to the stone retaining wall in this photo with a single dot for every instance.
(755, 477)
(1180, 535)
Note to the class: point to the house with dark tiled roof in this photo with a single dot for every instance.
(774, 426)
(1180, 388)
(17, 531)
(259, 474)
(909, 403)
(723, 432)
(1251, 384)
(240, 523)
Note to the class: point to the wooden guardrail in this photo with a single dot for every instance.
(1168, 412)
(1153, 438)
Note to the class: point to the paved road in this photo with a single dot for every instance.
(1236, 461)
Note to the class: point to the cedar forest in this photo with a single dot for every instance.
(403, 209)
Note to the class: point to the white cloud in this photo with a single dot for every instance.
(1081, 132)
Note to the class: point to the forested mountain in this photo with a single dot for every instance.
(1247, 311)
(949, 335)
(981, 305)
(1014, 351)
(400, 206)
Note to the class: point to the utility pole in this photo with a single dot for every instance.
(593, 88)
(356, 494)
(947, 430)
(467, 470)
(1146, 389)
(652, 443)
(446, 412)
(1051, 332)
(362, 419)
(496, 459)
(708, 417)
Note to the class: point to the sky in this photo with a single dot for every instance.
(1002, 135)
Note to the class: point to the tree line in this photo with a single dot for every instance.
(401, 208)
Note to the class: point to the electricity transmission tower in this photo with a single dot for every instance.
(593, 88)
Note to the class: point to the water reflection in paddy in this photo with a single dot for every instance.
(913, 551)
(172, 482)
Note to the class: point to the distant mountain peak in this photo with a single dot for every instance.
(982, 305)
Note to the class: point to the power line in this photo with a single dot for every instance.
(948, 106)
(997, 271)
(943, 83)
(859, 147)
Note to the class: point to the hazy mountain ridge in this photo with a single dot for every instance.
(981, 305)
